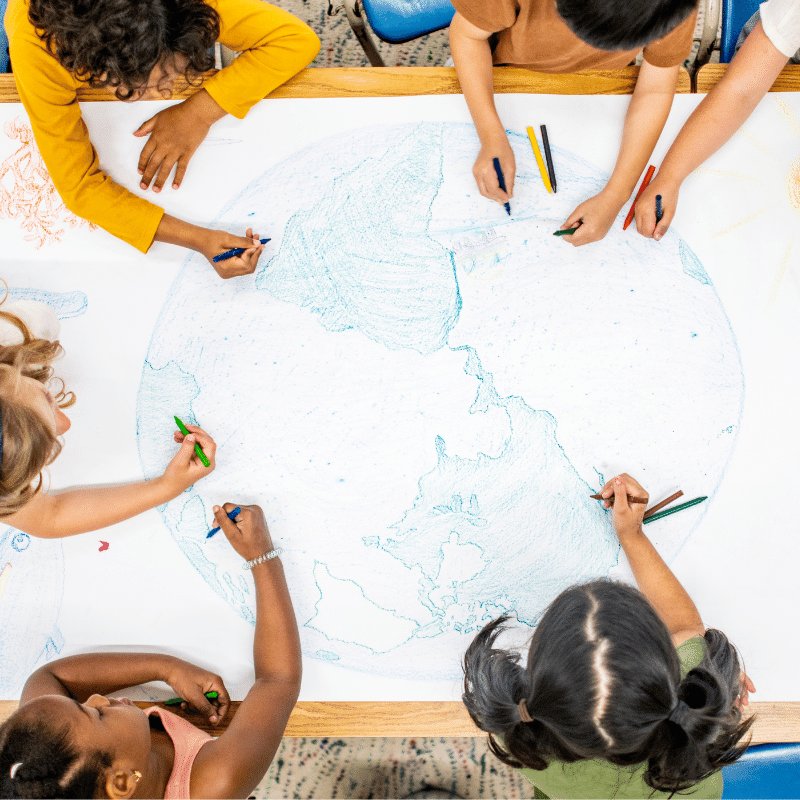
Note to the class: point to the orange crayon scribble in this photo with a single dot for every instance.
(27, 192)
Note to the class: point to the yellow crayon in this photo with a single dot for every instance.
(539, 161)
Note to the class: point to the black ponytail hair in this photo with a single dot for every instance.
(49, 764)
(603, 681)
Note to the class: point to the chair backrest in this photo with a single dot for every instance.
(734, 15)
(764, 771)
(398, 21)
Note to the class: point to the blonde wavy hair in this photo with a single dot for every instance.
(28, 444)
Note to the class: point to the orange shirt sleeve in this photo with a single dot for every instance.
(674, 48)
(274, 46)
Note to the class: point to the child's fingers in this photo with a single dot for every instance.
(229, 528)
(620, 496)
(185, 454)
(146, 155)
(146, 127)
(164, 170)
(183, 163)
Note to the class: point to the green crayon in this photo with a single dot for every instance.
(176, 701)
(566, 231)
(687, 504)
(199, 450)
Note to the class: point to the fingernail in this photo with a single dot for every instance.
(175, 185)
(216, 509)
(143, 185)
(212, 718)
(156, 189)
(657, 237)
(190, 437)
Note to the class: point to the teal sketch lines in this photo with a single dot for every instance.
(357, 267)
(31, 589)
(423, 394)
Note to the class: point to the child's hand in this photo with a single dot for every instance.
(627, 517)
(593, 218)
(191, 683)
(175, 134)
(218, 242)
(486, 176)
(186, 467)
(249, 535)
(744, 693)
(646, 208)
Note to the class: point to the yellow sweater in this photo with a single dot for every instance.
(274, 45)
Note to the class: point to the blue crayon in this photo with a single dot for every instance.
(237, 251)
(231, 515)
(659, 210)
(501, 181)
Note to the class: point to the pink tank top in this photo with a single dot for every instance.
(187, 741)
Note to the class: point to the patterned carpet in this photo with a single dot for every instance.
(389, 768)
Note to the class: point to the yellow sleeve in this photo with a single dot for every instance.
(274, 46)
(48, 92)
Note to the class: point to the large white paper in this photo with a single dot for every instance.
(419, 389)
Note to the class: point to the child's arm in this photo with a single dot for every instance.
(81, 676)
(81, 510)
(472, 57)
(654, 578)
(232, 765)
(722, 112)
(274, 46)
(647, 113)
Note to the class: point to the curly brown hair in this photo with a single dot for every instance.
(29, 444)
(118, 43)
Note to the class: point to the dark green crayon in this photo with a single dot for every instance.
(197, 449)
(566, 231)
(687, 504)
(176, 701)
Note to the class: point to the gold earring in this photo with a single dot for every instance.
(137, 775)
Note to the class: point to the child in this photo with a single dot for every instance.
(724, 109)
(566, 36)
(138, 48)
(625, 694)
(31, 420)
(67, 740)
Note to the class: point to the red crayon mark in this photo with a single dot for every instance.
(103, 546)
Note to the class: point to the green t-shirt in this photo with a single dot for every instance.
(601, 779)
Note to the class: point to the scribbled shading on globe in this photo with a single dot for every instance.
(422, 392)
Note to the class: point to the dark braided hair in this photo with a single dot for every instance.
(118, 43)
(51, 765)
(603, 681)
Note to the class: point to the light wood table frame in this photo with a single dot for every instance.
(775, 722)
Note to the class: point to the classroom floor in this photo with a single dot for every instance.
(389, 768)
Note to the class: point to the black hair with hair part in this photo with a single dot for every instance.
(49, 764)
(603, 681)
(623, 24)
(118, 43)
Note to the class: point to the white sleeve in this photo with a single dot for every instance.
(40, 318)
(781, 21)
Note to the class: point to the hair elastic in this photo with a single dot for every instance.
(12, 773)
(137, 775)
(678, 713)
(523, 712)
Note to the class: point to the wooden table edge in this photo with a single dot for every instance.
(775, 721)
(323, 82)
(709, 75)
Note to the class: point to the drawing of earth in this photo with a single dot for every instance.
(422, 392)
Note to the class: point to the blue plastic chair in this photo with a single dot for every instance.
(395, 21)
(764, 771)
(3, 38)
(734, 15)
